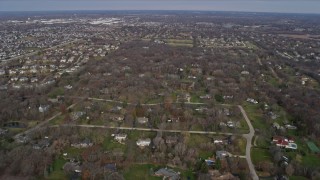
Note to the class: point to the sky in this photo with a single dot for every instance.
(283, 6)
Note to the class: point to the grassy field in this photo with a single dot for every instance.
(57, 172)
(58, 120)
(297, 178)
(110, 144)
(262, 142)
(242, 145)
(311, 160)
(255, 116)
(56, 92)
(143, 171)
(259, 155)
(73, 152)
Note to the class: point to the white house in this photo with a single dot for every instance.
(142, 120)
(144, 142)
(43, 108)
(120, 137)
(251, 100)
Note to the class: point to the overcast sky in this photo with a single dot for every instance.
(291, 6)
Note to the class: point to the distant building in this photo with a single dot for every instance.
(142, 120)
(221, 154)
(117, 118)
(43, 108)
(84, 144)
(72, 167)
(167, 173)
(171, 139)
(251, 100)
(120, 137)
(245, 73)
(283, 142)
(144, 142)
(288, 126)
(207, 96)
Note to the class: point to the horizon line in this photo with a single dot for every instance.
(181, 10)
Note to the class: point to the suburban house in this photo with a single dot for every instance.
(120, 137)
(218, 141)
(43, 108)
(169, 174)
(77, 115)
(230, 124)
(245, 72)
(289, 126)
(216, 175)
(43, 143)
(144, 142)
(207, 96)
(283, 142)
(221, 154)
(251, 100)
(22, 139)
(118, 118)
(171, 139)
(276, 125)
(72, 167)
(142, 120)
(84, 144)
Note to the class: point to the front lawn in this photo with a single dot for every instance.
(260, 155)
(57, 172)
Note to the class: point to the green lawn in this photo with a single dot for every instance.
(57, 172)
(242, 143)
(135, 135)
(263, 142)
(195, 98)
(56, 92)
(311, 160)
(259, 155)
(297, 178)
(110, 144)
(193, 140)
(58, 120)
(255, 116)
(273, 81)
(138, 171)
(73, 152)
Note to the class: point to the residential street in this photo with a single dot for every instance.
(248, 147)
(248, 137)
(41, 124)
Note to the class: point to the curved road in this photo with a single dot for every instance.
(249, 137)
